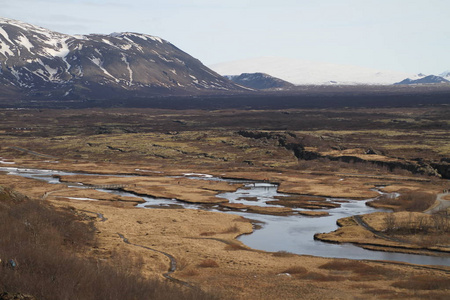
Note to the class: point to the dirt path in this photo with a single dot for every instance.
(33, 152)
(173, 262)
(379, 234)
(358, 219)
(99, 215)
(440, 204)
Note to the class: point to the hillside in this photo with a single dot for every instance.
(260, 81)
(430, 79)
(39, 63)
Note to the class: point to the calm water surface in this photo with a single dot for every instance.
(293, 233)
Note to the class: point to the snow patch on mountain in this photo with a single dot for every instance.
(99, 63)
(430, 79)
(59, 49)
(302, 72)
(44, 63)
(445, 74)
(25, 42)
(5, 35)
(130, 71)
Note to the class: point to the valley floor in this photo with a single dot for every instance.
(304, 151)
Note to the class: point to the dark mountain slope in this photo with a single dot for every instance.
(431, 79)
(40, 63)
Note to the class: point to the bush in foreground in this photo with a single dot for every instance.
(37, 249)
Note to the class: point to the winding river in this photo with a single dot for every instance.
(294, 233)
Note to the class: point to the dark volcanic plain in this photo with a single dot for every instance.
(297, 97)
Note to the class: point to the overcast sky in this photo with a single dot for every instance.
(399, 35)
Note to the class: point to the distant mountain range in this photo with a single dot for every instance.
(36, 63)
(301, 72)
(39, 63)
(260, 81)
(430, 79)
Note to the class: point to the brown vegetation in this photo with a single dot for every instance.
(208, 263)
(282, 254)
(296, 270)
(423, 282)
(36, 251)
(417, 223)
(359, 268)
(155, 144)
(407, 201)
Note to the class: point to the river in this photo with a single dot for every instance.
(294, 233)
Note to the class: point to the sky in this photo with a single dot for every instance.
(400, 35)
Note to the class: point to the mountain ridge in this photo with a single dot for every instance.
(260, 81)
(39, 62)
(430, 79)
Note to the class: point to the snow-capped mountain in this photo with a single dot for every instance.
(259, 81)
(41, 63)
(301, 72)
(445, 75)
(430, 79)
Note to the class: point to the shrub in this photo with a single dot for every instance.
(235, 246)
(424, 282)
(296, 270)
(207, 233)
(408, 201)
(282, 254)
(358, 268)
(208, 263)
(231, 229)
(42, 242)
(417, 223)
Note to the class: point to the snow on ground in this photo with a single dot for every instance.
(445, 74)
(5, 35)
(130, 71)
(4, 48)
(99, 63)
(302, 72)
(155, 38)
(25, 42)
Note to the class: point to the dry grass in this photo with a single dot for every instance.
(314, 276)
(296, 270)
(183, 263)
(304, 274)
(208, 263)
(417, 223)
(282, 254)
(190, 272)
(423, 282)
(208, 233)
(362, 271)
(234, 246)
(41, 241)
(408, 201)
(231, 229)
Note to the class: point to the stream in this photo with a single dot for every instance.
(294, 233)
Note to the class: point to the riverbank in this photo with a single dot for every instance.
(410, 235)
(208, 256)
(207, 253)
